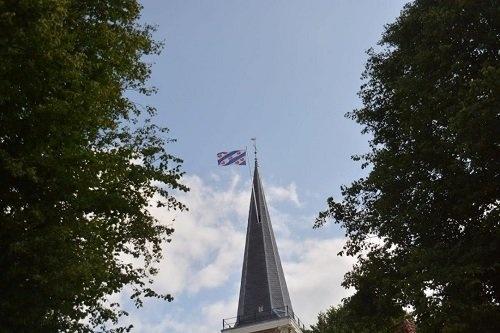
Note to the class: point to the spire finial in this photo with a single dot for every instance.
(255, 149)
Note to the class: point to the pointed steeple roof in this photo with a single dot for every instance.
(263, 286)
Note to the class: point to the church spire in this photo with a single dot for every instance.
(263, 288)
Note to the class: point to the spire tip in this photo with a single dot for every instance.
(255, 150)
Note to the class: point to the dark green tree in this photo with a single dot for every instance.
(353, 316)
(428, 211)
(371, 309)
(80, 164)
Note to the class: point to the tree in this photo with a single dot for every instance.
(431, 198)
(80, 164)
(345, 319)
(371, 309)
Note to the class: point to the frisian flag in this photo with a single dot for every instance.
(237, 157)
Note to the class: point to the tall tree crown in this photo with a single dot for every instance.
(79, 164)
(431, 105)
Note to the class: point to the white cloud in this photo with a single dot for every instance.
(279, 194)
(208, 239)
(315, 275)
(215, 310)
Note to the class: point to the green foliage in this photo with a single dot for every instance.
(78, 170)
(371, 309)
(431, 200)
(357, 314)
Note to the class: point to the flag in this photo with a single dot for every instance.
(237, 157)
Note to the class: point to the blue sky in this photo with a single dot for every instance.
(285, 72)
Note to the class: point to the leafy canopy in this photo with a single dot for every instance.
(78, 170)
(427, 214)
(364, 312)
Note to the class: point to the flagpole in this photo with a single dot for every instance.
(253, 185)
(255, 149)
